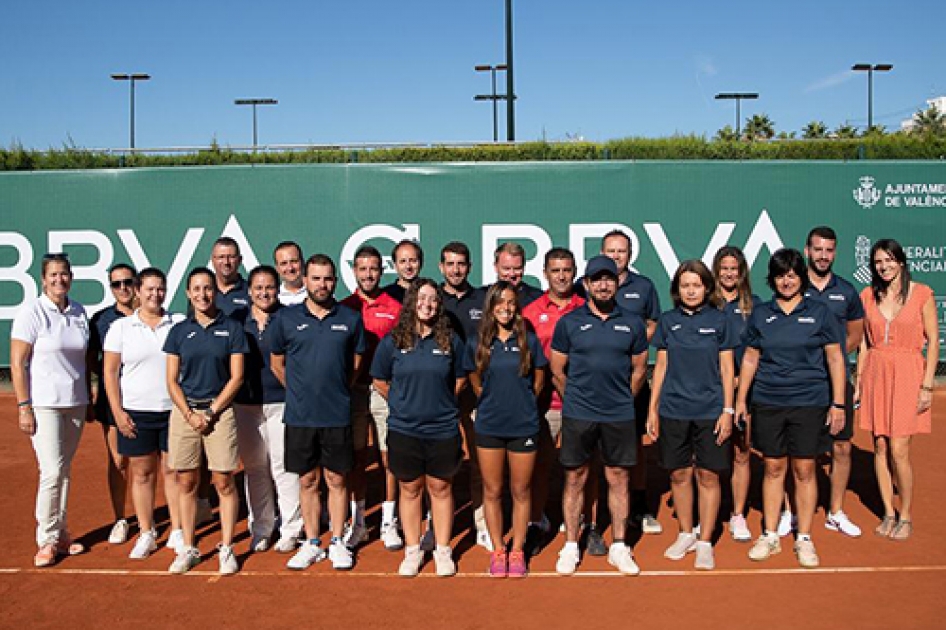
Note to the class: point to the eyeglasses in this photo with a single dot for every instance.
(124, 282)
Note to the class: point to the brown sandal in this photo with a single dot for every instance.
(902, 531)
(886, 527)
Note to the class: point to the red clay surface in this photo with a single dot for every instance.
(863, 583)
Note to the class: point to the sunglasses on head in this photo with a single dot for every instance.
(125, 282)
(60, 257)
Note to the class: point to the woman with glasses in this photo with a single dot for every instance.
(49, 341)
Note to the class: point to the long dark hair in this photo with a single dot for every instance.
(404, 333)
(743, 288)
(877, 283)
(489, 326)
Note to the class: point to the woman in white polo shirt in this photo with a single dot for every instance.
(48, 344)
(134, 372)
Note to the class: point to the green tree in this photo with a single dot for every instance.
(759, 127)
(785, 135)
(815, 130)
(874, 131)
(845, 131)
(930, 122)
(726, 134)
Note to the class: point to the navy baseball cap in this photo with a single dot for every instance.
(600, 264)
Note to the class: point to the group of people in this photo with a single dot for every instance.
(274, 373)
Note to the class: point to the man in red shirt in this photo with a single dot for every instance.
(542, 314)
(379, 312)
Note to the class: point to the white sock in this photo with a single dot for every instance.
(387, 511)
(616, 546)
(444, 549)
(571, 546)
(802, 537)
(770, 535)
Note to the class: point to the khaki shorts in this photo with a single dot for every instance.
(553, 418)
(368, 407)
(220, 445)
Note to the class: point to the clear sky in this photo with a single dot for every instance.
(385, 71)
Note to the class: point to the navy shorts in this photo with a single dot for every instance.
(790, 431)
(683, 443)
(528, 444)
(151, 428)
(411, 457)
(308, 448)
(616, 441)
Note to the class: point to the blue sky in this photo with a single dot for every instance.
(373, 71)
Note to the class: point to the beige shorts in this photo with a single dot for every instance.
(553, 418)
(368, 407)
(219, 445)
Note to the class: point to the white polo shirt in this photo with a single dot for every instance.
(288, 297)
(57, 368)
(143, 377)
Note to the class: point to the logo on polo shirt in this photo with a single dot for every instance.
(191, 335)
(439, 351)
(302, 326)
(242, 301)
(707, 331)
(622, 328)
(676, 327)
(341, 327)
(769, 320)
(544, 317)
(221, 333)
(384, 315)
(737, 311)
(837, 297)
(584, 327)
(632, 296)
(476, 313)
(806, 320)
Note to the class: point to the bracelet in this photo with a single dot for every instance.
(25, 403)
(26, 411)
(729, 410)
(838, 405)
(926, 389)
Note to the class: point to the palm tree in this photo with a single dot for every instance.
(759, 127)
(930, 121)
(845, 132)
(726, 134)
(815, 130)
(876, 130)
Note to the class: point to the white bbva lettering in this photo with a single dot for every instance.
(493, 235)
(409, 231)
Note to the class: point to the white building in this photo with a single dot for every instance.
(939, 103)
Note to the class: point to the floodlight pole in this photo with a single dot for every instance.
(254, 102)
(870, 69)
(738, 97)
(132, 78)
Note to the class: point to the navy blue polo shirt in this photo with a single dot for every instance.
(423, 379)
(598, 385)
(205, 354)
(737, 321)
(396, 291)
(465, 311)
(692, 387)
(843, 300)
(260, 385)
(527, 294)
(100, 324)
(635, 295)
(319, 362)
(792, 370)
(235, 303)
(507, 407)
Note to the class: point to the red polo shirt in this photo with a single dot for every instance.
(543, 314)
(379, 316)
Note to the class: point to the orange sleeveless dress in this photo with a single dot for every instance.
(894, 367)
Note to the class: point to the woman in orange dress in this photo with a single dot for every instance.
(895, 380)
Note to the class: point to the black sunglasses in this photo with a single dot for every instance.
(60, 256)
(125, 282)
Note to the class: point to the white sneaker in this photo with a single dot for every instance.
(428, 542)
(443, 559)
(806, 554)
(483, 539)
(684, 544)
(765, 547)
(839, 522)
(650, 525)
(621, 558)
(410, 565)
(309, 553)
(205, 512)
(705, 559)
(355, 535)
(739, 529)
(186, 559)
(786, 523)
(286, 544)
(390, 537)
(175, 540)
(228, 561)
(259, 544)
(340, 555)
(568, 560)
(144, 546)
(119, 533)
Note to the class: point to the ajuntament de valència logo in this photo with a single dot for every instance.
(866, 195)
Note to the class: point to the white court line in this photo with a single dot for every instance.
(546, 574)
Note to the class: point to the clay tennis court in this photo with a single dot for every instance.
(863, 583)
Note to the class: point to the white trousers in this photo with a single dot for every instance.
(55, 442)
(261, 439)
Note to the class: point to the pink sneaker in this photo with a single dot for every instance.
(46, 556)
(497, 564)
(517, 564)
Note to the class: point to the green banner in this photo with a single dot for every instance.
(673, 211)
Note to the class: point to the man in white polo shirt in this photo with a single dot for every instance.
(288, 259)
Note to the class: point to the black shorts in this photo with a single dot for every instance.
(848, 431)
(410, 457)
(790, 431)
(102, 410)
(151, 428)
(308, 448)
(641, 409)
(683, 443)
(528, 444)
(616, 441)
